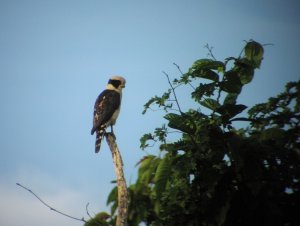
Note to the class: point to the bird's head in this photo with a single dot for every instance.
(116, 83)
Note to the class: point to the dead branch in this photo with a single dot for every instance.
(121, 182)
(51, 208)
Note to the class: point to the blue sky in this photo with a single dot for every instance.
(56, 57)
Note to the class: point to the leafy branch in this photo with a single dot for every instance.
(212, 168)
(210, 53)
(174, 94)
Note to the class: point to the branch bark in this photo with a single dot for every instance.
(51, 208)
(121, 182)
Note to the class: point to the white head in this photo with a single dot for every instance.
(116, 83)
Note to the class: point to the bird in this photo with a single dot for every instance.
(107, 108)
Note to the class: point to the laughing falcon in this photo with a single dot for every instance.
(107, 108)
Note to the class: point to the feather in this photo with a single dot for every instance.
(106, 104)
(107, 108)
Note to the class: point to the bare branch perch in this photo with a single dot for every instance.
(51, 208)
(121, 182)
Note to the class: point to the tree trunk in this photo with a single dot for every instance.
(121, 182)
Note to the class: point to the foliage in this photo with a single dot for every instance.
(213, 173)
(99, 220)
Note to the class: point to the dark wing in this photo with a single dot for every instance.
(106, 104)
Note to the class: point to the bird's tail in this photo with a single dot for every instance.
(99, 136)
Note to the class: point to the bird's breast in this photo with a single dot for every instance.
(114, 117)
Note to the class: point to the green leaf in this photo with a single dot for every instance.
(246, 75)
(210, 103)
(102, 216)
(205, 73)
(230, 98)
(245, 70)
(98, 220)
(185, 78)
(204, 68)
(209, 64)
(231, 87)
(254, 52)
(203, 89)
(175, 146)
(143, 140)
(231, 110)
(147, 170)
(232, 83)
(161, 133)
(161, 176)
(160, 101)
(145, 163)
(272, 134)
(112, 197)
(157, 207)
(179, 122)
(172, 117)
